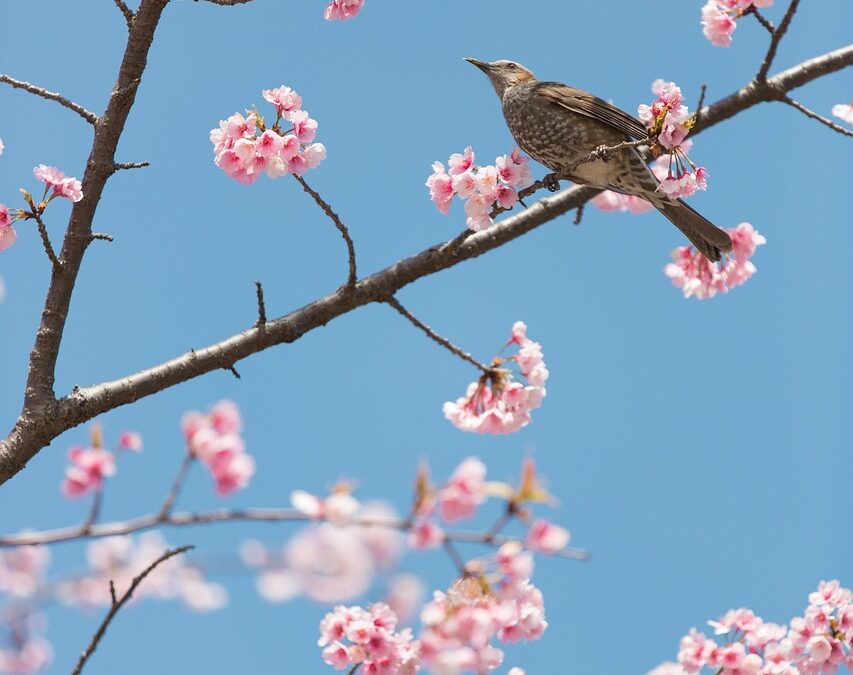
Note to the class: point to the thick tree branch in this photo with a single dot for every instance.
(118, 603)
(87, 115)
(36, 428)
(99, 167)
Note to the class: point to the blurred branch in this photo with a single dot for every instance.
(87, 115)
(118, 603)
(258, 515)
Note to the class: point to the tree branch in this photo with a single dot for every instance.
(87, 115)
(775, 39)
(444, 342)
(352, 277)
(120, 166)
(45, 240)
(257, 515)
(118, 604)
(262, 308)
(815, 116)
(126, 11)
(37, 427)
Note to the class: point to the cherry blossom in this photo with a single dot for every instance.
(496, 403)
(719, 18)
(464, 492)
(698, 277)
(339, 508)
(481, 187)
(546, 537)
(22, 570)
(215, 439)
(8, 236)
(844, 111)
(89, 467)
(405, 595)
(2, 146)
(818, 642)
(59, 183)
(130, 440)
(244, 147)
(343, 9)
(353, 635)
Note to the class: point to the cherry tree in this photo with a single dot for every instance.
(343, 541)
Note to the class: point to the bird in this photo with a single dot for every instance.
(561, 126)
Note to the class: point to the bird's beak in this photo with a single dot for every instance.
(482, 65)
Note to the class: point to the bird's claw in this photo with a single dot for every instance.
(602, 152)
(551, 182)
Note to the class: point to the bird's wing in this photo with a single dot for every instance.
(585, 103)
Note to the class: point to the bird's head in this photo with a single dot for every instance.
(504, 74)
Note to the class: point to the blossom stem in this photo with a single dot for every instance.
(45, 240)
(444, 342)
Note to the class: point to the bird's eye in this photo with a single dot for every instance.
(511, 65)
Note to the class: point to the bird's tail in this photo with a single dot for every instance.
(708, 239)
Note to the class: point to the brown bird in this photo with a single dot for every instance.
(559, 126)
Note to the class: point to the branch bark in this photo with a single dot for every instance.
(44, 418)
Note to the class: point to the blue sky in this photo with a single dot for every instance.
(700, 450)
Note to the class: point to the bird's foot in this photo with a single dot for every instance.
(551, 182)
(602, 152)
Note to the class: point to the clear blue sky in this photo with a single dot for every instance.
(701, 451)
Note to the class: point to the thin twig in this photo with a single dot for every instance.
(45, 240)
(457, 559)
(177, 486)
(103, 236)
(226, 3)
(117, 605)
(352, 277)
(257, 515)
(815, 116)
(128, 13)
(354, 669)
(87, 115)
(700, 104)
(776, 38)
(119, 166)
(233, 370)
(444, 342)
(95, 511)
(262, 308)
(768, 25)
(579, 214)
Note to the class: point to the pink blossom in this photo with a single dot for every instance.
(244, 148)
(608, 200)
(465, 490)
(89, 467)
(843, 111)
(460, 163)
(405, 595)
(27, 656)
(62, 186)
(440, 186)
(130, 440)
(2, 146)
(284, 99)
(343, 9)
(717, 25)
(8, 236)
(22, 570)
(497, 404)
(425, 534)
(546, 537)
(215, 439)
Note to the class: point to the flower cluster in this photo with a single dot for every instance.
(29, 652)
(818, 642)
(482, 187)
(343, 9)
(8, 236)
(215, 439)
(719, 18)
(244, 147)
(353, 635)
(496, 403)
(120, 559)
(843, 111)
(326, 562)
(460, 626)
(58, 183)
(698, 277)
(669, 121)
(90, 466)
